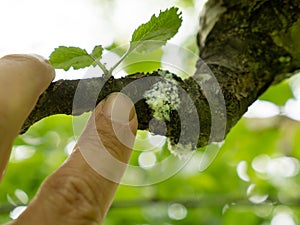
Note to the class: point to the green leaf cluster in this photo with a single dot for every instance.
(146, 38)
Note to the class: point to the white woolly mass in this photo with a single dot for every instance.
(162, 98)
(180, 150)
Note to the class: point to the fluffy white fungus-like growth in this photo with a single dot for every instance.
(163, 96)
(182, 151)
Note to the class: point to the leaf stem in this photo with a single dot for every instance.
(119, 62)
(102, 66)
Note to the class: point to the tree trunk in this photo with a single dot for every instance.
(247, 45)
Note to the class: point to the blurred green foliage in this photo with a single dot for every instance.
(278, 94)
(254, 179)
(238, 186)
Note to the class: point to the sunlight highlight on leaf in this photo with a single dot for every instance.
(177, 211)
(241, 169)
(22, 196)
(22, 152)
(283, 218)
(262, 109)
(147, 160)
(17, 212)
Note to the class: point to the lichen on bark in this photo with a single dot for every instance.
(247, 45)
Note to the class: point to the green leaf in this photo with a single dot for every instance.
(153, 34)
(97, 51)
(157, 31)
(66, 57)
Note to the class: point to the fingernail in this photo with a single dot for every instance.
(119, 108)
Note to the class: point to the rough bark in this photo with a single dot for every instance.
(248, 46)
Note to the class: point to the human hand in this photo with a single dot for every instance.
(82, 189)
(22, 79)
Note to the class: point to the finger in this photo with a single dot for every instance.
(32, 69)
(84, 186)
(108, 131)
(22, 79)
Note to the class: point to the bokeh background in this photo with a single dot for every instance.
(254, 180)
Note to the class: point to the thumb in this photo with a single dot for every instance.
(108, 138)
(92, 172)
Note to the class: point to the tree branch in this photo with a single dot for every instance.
(248, 46)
